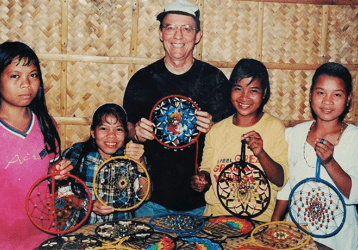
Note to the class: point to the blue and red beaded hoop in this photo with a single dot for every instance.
(174, 123)
(317, 205)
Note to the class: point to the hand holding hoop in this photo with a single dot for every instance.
(122, 183)
(243, 189)
(318, 205)
(174, 121)
(58, 206)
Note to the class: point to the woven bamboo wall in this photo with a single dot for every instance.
(89, 49)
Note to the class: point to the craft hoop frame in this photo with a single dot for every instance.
(278, 223)
(181, 233)
(98, 228)
(240, 188)
(304, 228)
(128, 159)
(208, 223)
(52, 203)
(317, 179)
(152, 115)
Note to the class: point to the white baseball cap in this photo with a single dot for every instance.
(181, 7)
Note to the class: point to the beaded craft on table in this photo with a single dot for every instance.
(150, 241)
(180, 223)
(116, 230)
(279, 235)
(198, 243)
(71, 242)
(227, 226)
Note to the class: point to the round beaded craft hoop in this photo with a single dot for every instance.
(243, 189)
(58, 206)
(316, 206)
(116, 183)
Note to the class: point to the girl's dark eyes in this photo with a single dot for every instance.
(35, 75)
(14, 76)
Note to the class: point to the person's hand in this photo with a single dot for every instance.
(324, 151)
(143, 130)
(62, 167)
(199, 182)
(204, 120)
(135, 151)
(100, 209)
(254, 142)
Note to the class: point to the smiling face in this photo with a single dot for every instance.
(329, 98)
(19, 84)
(247, 98)
(179, 46)
(109, 136)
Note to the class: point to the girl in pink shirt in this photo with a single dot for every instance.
(29, 143)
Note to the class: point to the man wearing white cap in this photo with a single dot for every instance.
(178, 73)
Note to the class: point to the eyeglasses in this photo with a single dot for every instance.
(186, 30)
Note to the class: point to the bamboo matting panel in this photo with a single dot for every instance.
(51, 72)
(292, 33)
(99, 27)
(342, 38)
(103, 83)
(148, 43)
(89, 49)
(35, 22)
(231, 36)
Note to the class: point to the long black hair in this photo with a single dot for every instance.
(247, 68)
(10, 51)
(335, 70)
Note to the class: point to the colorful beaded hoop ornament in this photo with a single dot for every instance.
(180, 223)
(318, 205)
(145, 240)
(174, 121)
(227, 226)
(58, 206)
(279, 235)
(122, 183)
(115, 230)
(243, 189)
(71, 242)
(195, 243)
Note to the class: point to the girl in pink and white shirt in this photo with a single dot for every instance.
(29, 143)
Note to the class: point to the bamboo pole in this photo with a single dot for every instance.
(316, 2)
(260, 24)
(73, 120)
(147, 61)
(134, 36)
(324, 34)
(63, 86)
(95, 59)
(199, 46)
